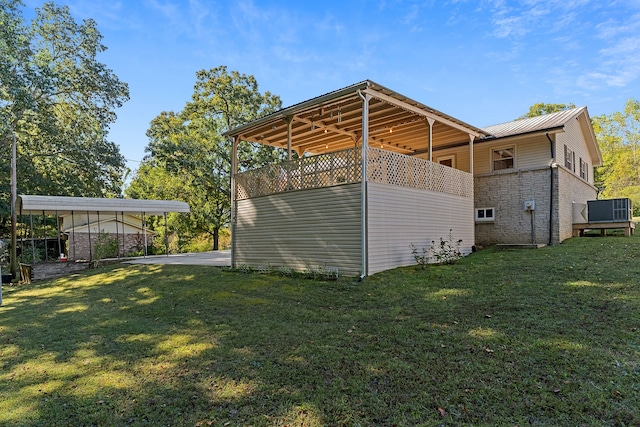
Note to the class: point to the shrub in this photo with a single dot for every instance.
(422, 258)
(446, 251)
(105, 246)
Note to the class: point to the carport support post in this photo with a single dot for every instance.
(58, 229)
(234, 171)
(33, 243)
(124, 244)
(44, 231)
(73, 234)
(166, 235)
(144, 231)
(89, 232)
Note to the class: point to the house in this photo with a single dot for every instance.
(530, 174)
(421, 176)
(127, 231)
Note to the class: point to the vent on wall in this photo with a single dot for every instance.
(579, 213)
(609, 210)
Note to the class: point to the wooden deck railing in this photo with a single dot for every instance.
(344, 167)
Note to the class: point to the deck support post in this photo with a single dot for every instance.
(289, 120)
(234, 171)
(365, 150)
(431, 122)
(471, 139)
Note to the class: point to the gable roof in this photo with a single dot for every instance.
(549, 123)
(133, 224)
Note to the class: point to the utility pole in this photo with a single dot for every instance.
(14, 199)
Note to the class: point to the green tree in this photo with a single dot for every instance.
(619, 139)
(541, 108)
(190, 150)
(58, 101)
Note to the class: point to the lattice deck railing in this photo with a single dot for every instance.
(344, 167)
(387, 167)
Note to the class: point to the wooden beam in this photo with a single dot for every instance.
(400, 104)
(321, 124)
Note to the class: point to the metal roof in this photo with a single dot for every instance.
(551, 122)
(66, 205)
(534, 124)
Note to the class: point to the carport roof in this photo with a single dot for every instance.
(65, 205)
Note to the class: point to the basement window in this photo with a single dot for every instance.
(485, 214)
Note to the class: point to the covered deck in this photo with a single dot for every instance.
(333, 201)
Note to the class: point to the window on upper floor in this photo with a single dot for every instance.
(447, 160)
(584, 170)
(503, 158)
(569, 159)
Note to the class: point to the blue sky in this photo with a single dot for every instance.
(483, 62)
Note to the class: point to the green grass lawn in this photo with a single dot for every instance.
(516, 337)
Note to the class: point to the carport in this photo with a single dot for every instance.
(92, 215)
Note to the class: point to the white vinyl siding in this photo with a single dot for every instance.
(302, 229)
(529, 153)
(400, 216)
(574, 140)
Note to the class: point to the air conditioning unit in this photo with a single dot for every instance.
(609, 210)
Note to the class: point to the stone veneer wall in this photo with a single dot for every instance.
(506, 192)
(131, 243)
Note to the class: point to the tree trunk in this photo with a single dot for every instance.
(216, 238)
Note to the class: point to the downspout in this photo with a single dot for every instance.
(551, 182)
(364, 210)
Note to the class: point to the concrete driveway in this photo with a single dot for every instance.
(213, 258)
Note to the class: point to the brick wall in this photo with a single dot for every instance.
(572, 190)
(507, 192)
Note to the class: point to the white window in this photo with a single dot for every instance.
(569, 159)
(485, 214)
(584, 170)
(447, 160)
(503, 158)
